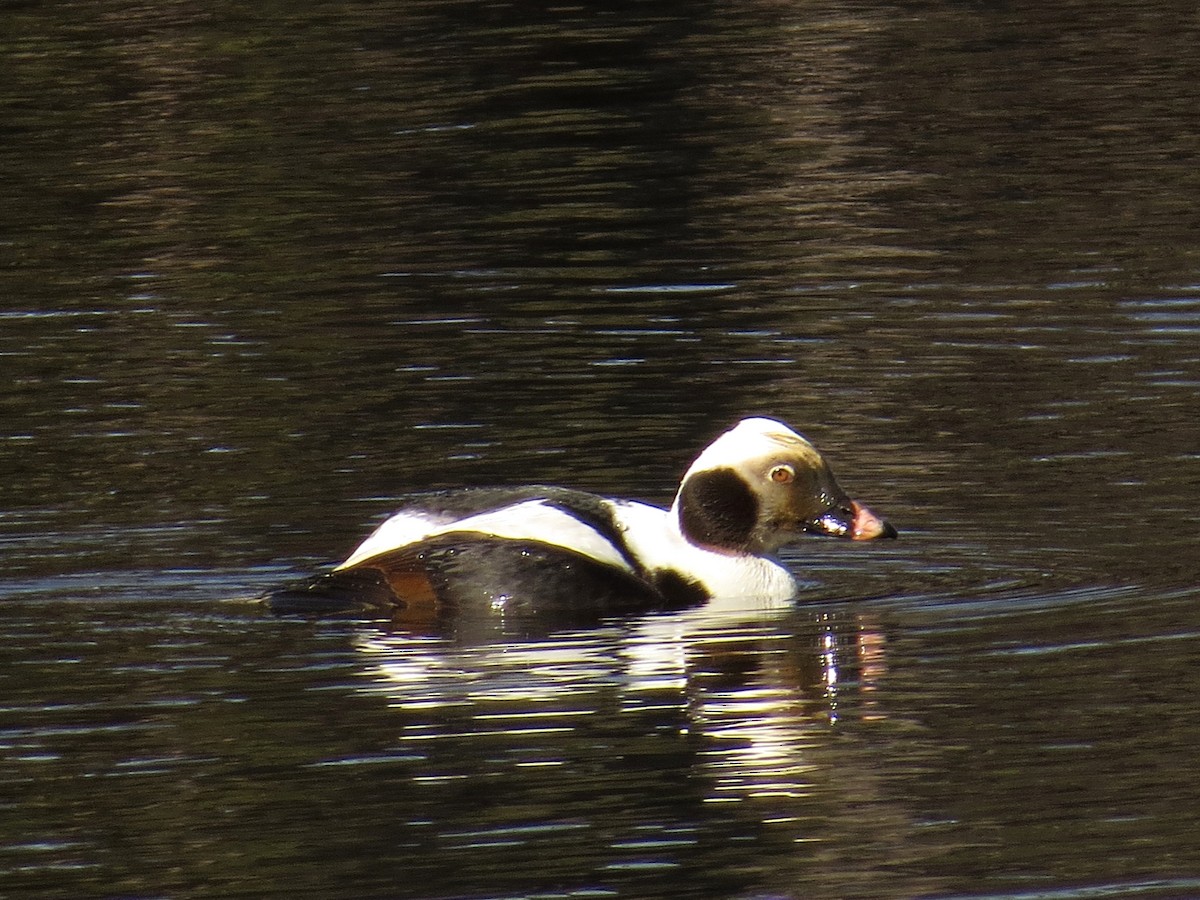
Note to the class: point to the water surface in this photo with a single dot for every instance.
(265, 271)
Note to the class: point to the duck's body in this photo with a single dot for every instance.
(546, 550)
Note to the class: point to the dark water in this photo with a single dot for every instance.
(263, 268)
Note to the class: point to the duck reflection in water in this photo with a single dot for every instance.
(752, 699)
(559, 557)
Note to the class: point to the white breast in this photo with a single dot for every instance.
(653, 536)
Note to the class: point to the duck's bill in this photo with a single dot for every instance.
(853, 521)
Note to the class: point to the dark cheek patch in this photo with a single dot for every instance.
(718, 509)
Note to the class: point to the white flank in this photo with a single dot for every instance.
(531, 520)
(400, 530)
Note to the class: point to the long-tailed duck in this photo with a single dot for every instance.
(537, 550)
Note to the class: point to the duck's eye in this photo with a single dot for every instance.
(783, 474)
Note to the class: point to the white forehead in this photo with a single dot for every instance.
(751, 439)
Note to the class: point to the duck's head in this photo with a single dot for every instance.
(759, 486)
